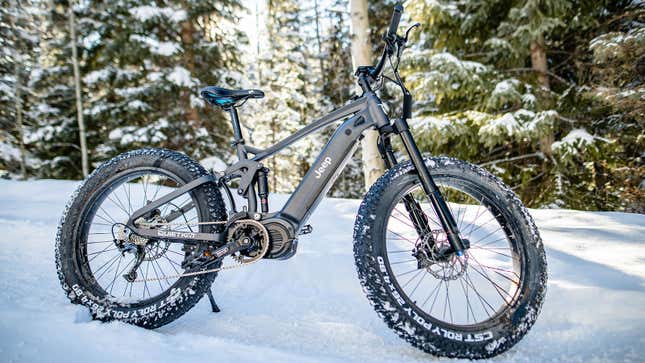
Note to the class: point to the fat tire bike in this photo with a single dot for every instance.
(445, 251)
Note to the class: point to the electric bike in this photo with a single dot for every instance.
(447, 254)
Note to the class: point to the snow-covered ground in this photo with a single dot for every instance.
(311, 308)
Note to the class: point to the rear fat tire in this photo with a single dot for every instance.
(170, 304)
(435, 337)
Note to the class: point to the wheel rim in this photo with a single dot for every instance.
(465, 292)
(105, 263)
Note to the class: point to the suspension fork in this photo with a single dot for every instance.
(419, 219)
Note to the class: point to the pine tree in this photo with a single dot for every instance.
(498, 82)
(286, 106)
(17, 43)
(146, 75)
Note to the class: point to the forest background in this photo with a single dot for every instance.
(547, 94)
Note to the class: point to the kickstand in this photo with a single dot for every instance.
(213, 304)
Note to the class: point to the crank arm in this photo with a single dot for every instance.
(204, 261)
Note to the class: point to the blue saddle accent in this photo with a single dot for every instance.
(224, 97)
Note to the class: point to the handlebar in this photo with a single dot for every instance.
(390, 38)
(396, 18)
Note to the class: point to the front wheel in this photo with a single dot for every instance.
(473, 306)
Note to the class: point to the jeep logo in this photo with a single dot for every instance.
(323, 166)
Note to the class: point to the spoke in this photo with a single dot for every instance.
(118, 205)
(162, 272)
(431, 294)
(107, 222)
(397, 251)
(407, 239)
(477, 215)
(463, 215)
(116, 273)
(436, 296)
(145, 190)
(405, 273)
(401, 220)
(156, 275)
(498, 288)
(489, 250)
(468, 305)
(418, 283)
(491, 242)
(109, 267)
(480, 226)
(410, 280)
(93, 242)
(482, 300)
(172, 263)
(400, 262)
(180, 254)
(129, 199)
(108, 261)
(488, 235)
(156, 191)
(103, 250)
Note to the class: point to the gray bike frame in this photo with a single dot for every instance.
(366, 112)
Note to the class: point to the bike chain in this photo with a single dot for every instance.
(264, 250)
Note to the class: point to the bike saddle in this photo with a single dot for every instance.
(224, 97)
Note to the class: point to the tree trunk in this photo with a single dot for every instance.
(538, 61)
(323, 75)
(77, 86)
(373, 166)
(539, 64)
(187, 40)
(18, 97)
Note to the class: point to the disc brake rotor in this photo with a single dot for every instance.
(446, 268)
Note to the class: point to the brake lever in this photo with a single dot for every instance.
(407, 32)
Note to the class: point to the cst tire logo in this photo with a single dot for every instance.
(173, 234)
(323, 166)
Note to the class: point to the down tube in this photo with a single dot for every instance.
(324, 171)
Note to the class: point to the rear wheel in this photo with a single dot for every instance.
(472, 306)
(101, 271)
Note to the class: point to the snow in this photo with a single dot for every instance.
(575, 137)
(156, 46)
(181, 77)
(96, 76)
(311, 308)
(8, 151)
(213, 163)
(145, 13)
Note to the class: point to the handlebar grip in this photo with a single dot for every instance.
(396, 18)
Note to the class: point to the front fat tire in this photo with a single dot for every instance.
(169, 305)
(436, 338)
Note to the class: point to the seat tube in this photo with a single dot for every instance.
(238, 141)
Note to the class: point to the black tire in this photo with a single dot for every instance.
(434, 335)
(71, 241)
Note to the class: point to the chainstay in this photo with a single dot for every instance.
(238, 264)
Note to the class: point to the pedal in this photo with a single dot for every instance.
(306, 229)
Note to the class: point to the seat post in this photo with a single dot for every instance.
(238, 141)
